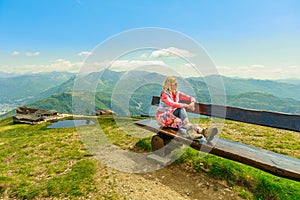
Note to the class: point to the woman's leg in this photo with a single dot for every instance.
(181, 113)
(188, 129)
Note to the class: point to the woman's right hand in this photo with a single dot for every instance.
(191, 106)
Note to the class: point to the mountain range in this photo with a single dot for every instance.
(130, 92)
(28, 88)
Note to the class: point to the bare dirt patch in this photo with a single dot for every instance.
(172, 182)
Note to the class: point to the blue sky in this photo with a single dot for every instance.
(250, 39)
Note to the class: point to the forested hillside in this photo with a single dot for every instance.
(28, 88)
(112, 88)
(109, 91)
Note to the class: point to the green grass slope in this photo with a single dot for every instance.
(36, 162)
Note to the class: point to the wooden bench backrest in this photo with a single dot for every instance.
(258, 117)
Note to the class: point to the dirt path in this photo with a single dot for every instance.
(172, 182)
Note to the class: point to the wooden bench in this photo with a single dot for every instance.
(274, 163)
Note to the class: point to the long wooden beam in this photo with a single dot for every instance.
(277, 164)
(258, 117)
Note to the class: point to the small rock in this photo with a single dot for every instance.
(200, 184)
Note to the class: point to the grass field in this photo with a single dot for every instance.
(37, 162)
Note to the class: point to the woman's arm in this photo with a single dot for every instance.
(165, 98)
(185, 97)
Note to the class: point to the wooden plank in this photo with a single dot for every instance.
(258, 117)
(277, 164)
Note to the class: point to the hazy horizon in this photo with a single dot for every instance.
(11, 75)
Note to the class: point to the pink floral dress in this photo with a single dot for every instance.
(168, 104)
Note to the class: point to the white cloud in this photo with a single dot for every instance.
(64, 65)
(84, 53)
(171, 52)
(15, 53)
(257, 66)
(161, 53)
(130, 64)
(59, 65)
(18, 69)
(187, 70)
(144, 55)
(260, 72)
(32, 53)
(293, 67)
(156, 66)
(188, 65)
(221, 68)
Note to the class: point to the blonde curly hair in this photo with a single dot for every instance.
(168, 82)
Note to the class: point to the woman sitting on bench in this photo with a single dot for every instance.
(171, 113)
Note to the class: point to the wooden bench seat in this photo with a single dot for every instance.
(274, 163)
